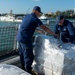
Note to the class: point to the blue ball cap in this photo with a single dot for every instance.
(59, 18)
(37, 8)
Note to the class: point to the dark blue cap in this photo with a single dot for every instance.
(37, 8)
(59, 18)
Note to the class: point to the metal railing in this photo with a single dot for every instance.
(8, 39)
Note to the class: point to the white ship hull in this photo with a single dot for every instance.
(9, 19)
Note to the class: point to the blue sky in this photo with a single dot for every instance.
(23, 6)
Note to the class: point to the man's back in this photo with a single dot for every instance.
(27, 28)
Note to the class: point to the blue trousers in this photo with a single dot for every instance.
(74, 41)
(26, 56)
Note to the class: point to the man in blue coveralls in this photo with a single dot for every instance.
(24, 37)
(65, 29)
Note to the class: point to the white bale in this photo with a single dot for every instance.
(38, 68)
(68, 46)
(50, 72)
(45, 41)
(11, 70)
(59, 61)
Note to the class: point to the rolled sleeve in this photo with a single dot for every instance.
(39, 22)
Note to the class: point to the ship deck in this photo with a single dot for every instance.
(11, 58)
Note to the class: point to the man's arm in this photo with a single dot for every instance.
(40, 31)
(47, 30)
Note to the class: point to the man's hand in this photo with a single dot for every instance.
(56, 35)
(68, 43)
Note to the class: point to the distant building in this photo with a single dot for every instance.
(74, 10)
(11, 12)
(50, 13)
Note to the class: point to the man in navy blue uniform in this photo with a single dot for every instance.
(65, 29)
(24, 37)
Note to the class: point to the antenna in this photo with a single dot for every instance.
(74, 10)
(27, 10)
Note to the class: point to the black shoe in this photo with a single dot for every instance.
(23, 68)
(34, 73)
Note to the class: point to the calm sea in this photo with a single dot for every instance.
(2, 23)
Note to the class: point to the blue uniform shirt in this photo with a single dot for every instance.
(27, 28)
(66, 31)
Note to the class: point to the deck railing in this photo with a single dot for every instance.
(8, 39)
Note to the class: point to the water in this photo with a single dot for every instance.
(2, 23)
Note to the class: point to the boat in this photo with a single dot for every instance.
(43, 17)
(10, 18)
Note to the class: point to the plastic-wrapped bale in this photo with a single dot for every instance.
(11, 70)
(38, 68)
(56, 61)
(68, 46)
(43, 43)
(60, 63)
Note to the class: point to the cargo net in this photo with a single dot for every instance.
(8, 39)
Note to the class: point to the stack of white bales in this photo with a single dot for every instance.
(52, 60)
